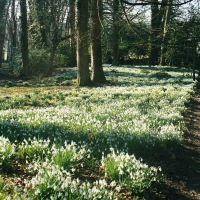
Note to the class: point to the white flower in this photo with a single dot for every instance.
(113, 184)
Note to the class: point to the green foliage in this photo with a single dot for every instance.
(129, 171)
(66, 56)
(16, 63)
(33, 150)
(3, 192)
(6, 150)
(69, 156)
(183, 38)
(53, 182)
(38, 60)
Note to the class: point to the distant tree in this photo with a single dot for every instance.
(48, 27)
(42, 10)
(184, 41)
(160, 18)
(83, 75)
(96, 49)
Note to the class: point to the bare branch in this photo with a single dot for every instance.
(145, 3)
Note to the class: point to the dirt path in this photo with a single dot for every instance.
(182, 164)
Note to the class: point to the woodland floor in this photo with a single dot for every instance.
(181, 165)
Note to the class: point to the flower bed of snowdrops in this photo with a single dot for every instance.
(81, 143)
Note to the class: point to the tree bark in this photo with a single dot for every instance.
(40, 8)
(157, 14)
(24, 38)
(115, 35)
(72, 59)
(155, 32)
(165, 30)
(13, 34)
(2, 28)
(1, 46)
(83, 75)
(96, 53)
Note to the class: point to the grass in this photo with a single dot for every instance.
(86, 143)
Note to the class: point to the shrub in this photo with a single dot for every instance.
(38, 60)
(160, 75)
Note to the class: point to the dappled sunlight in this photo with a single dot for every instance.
(76, 130)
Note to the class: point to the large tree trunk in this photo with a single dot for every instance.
(157, 14)
(115, 35)
(96, 54)
(72, 59)
(24, 38)
(83, 75)
(165, 31)
(155, 32)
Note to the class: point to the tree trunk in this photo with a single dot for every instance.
(40, 8)
(72, 59)
(51, 60)
(83, 75)
(24, 38)
(115, 35)
(165, 30)
(157, 14)
(55, 43)
(13, 35)
(96, 54)
(2, 27)
(1, 47)
(155, 32)
(2, 36)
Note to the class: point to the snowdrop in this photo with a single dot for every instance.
(128, 171)
(6, 149)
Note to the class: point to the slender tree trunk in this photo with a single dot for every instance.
(24, 38)
(13, 34)
(72, 59)
(55, 43)
(115, 39)
(83, 75)
(1, 47)
(165, 30)
(2, 36)
(96, 54)
(51, 60)
(2, 27)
